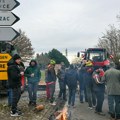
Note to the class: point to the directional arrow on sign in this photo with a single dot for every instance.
(8, 34)
(8, 5)
(5, 57)
(8, 18)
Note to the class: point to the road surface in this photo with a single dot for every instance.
(82, 112)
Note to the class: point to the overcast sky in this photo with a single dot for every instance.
(72, 24)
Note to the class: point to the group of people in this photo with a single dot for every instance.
(16, 71)
(92, 82)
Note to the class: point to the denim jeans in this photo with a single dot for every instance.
(82, 93)
(16, 94)
(71, 100)
(114, 105)
(100, 99)
(111, 104)
(90, 96)
(62, 92)
(9, 97)
(32, 91)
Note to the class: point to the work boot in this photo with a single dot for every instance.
(34, 104)
(30, 103)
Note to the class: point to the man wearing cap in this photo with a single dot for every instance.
(87, 77)
(14, 82)
(50, 78)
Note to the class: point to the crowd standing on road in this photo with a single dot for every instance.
(91, 81)
(94, 80)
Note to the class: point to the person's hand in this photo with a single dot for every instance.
(22, 73)
(32, 75)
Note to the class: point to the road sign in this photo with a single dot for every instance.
(3, 66)
(8, 18)
(4, 57)
(8, 5)
(8, 34)
(3, 75)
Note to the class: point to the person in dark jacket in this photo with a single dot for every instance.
(14, 82)
(22, 67)
(88, 84)
(112, 78)
(50, 77)
(33, 75)
(71, 78)
(81, 73)
(99, 89)
(61, 80)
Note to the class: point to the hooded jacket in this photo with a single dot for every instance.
(61, 74)
(50, 75)
(14, 77)
(33, 69)
(71, 78)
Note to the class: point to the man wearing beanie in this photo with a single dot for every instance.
(14, 82)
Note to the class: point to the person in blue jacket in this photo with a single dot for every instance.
(82, 90)
(33, 75)
(71, 78)
(89, 85)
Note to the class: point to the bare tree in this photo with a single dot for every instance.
(111, 41)
(42, 59)
(23, 46)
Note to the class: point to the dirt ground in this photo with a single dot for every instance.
(29, 113)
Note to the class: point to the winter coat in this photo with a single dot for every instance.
(35, 70)
(61, 75)
(98, 87)
(112, 78)
(14, 77)
(87, 76)
(81, 77)
(71, 78)
(50, 75)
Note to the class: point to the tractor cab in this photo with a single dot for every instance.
(98, 56)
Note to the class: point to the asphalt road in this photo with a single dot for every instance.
(82, 112)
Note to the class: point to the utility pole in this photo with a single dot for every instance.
(66, 52)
